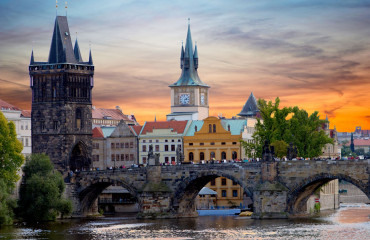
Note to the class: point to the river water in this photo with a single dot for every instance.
(349, 222)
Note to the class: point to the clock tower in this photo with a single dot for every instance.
(189, 95)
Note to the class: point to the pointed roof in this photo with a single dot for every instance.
(32, 61)
(182, 51)
(97, 133)
(250, 108)
(77, 52)
(189, 75)
(196, 51)
(61, 50)
(90, 58)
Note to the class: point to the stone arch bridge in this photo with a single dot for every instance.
(277, 189)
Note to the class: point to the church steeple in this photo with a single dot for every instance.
(77, 52)
(90, 58)
(189, 64)
(32, 61)
(182, 56)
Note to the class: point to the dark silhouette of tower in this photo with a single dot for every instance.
(61, 102)
(352, 146)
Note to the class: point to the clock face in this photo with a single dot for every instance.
(184, 98)
(202, 99)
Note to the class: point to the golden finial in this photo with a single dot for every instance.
(66, 6)
(56, 7)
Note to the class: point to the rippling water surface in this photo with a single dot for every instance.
(351, 222)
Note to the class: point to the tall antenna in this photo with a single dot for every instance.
(56, 7)
(66, 7)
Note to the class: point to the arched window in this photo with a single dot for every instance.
(214, 128)
(79, 122)
(201, 156)
(213, 155)
(210, 128)
(235, 155)
(223, 155)
(191, 156)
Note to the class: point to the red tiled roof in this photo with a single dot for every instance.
(137, 129)
(7, 106)
(177, 126)
(26, 113)
(115, 114)
(360, 142)
(97, 133)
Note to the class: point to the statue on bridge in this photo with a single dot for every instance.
(179, 155)
(292, 151)
(153, 158)
(268, 152)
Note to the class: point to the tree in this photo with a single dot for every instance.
(280, 148)
(11, 159)
(289, 125)
(41, 194)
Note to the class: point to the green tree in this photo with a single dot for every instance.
(280, 148)
(288, 124)
(11, 160)
(41, 194)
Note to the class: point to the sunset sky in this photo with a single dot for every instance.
(313, 54)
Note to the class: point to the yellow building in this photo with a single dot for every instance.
(214, 139)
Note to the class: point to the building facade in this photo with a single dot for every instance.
(165, 138)
(61, 102)
(110, 117)
(331, 150)
(189, 95)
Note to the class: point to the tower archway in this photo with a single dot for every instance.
(79, 159)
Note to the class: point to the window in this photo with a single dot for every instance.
(223, 155)
(190, 144)
(213, 182)
(223, 193)
(122, 157)
(113, 157)
(26, 126)
(117, 157)
(122, 145)
(235, 193)
(173, 140)
(201, 156)
(127, 157)
(117, 145)
(166, 140)
(179, 140)
(235, 183)
(157, 148)
(212, 155)
(26, 142)
(131, 157)
(172, 159)
(126, 145)
(210, 128)
(112, 145)
(150, 141)
(179, 146)
(22, 127)
(223, 143)
(212, 143)
(131, 144)
(55, 125)
(144, 148)
(234, 143)
(157, 141)
(144, 160)
(79, 123)
(173, 147)
(201, 144)
(214, 128)
(166, 159)
(223, 181)
(191, 156)
(166, 148)
(144, 141)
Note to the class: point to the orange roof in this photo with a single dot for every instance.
(177, 126)
(360, 142)
(7, 106)
(97, 133)
(136, 129)
(102, 113)
(26, 113)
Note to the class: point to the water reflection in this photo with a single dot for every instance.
(347, 223)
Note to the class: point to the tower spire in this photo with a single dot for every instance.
(32, 61)
(90, 58)
(77, 51)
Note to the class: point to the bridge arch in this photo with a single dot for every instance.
(183, 199)
(91, 191)
(298, 196)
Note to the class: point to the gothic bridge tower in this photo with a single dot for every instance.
(189, 95)
(61, 102)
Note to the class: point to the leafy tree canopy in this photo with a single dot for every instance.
(289, 125)
(41, 194)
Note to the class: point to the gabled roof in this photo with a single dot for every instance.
(194, 124)
(61, 50)
(26, 113)
(97, 133)
(7, 106)
(106, 113)
(107, 131)
(250, 108)
(136, 129)
(175, 126)
(189, 75)
(236, 125)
